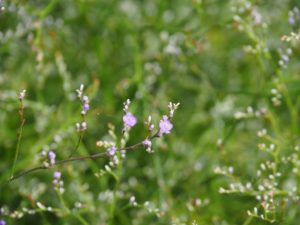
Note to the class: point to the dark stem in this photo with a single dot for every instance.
(79, 158)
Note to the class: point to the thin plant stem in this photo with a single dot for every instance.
(248, 221)
(76, 215)
(19, 137)
(79, 158)
(290, 104)
(17, 148)
(62, 201)
(81, 132)
(116, 188)
(81, 219)
(78, 144)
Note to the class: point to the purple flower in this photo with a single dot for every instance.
(165, 126)
(112, 150)
(86, 107)
(51, 156)
(2, 222)
(58, 183)
(129, 120)
(57, 175)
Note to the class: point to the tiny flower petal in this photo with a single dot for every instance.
(147, 143)
(129, 120)
(51, 155)
(86, 107)
(22, 96)
(112, 150)
(165, 126)
(85, 99)
(57, 175)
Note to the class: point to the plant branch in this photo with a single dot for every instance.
(79, 158)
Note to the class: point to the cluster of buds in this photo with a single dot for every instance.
(153, 68)
(266, 211)
(172, 107)
(149, 124)
(132, 201)
(22, 95)
(262, 133)
(84, 100)
(256, 16)
(173, 43)
(114, 160)
(105, 144)
(80, 91)
(57, 182)
(276, 97)
(148, 144)
(151, 208)
(241, 6)
(82, 126)
(85, 105)
(249, 113)
(236, 187)
(264, 147)
(252, 49)
(291, 37)
(196, 203)
(51, 157)
(284, 57)
(112, 150)
(227, 171)
(294, 14)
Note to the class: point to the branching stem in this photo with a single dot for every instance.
(79, 158)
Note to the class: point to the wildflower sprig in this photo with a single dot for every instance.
(150, 207)
(58, 183)
(84, 100)
(81, 127)
(116, 150)
(266, 185)
(82, 158)
(129, 119)
(165, 127)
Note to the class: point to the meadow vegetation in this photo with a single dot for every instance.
(155, 112)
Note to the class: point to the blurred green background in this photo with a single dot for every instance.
(152, 52)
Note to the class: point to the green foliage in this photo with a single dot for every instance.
(232, 65)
